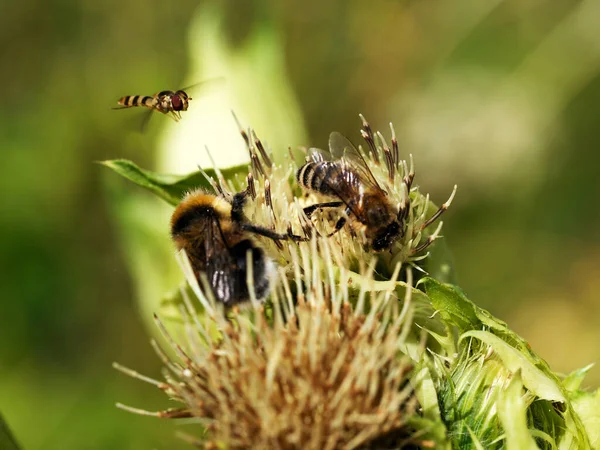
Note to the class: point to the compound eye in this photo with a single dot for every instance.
(182, 94)
(176, 103)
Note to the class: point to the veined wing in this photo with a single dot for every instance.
(317, 155)
(341, 148)
(205, 82)
(220, 266)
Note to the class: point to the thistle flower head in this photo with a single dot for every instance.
(280, 202)
(311, 373)
(323, 363)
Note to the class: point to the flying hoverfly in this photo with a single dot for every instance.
(170, 103)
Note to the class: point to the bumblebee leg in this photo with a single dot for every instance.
(311, 209)
(256, 229)
(237, 206)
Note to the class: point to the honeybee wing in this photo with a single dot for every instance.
(341, 148)
(352, 178)
(317, 155)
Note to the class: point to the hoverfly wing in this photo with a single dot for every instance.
(139, 120)
(146, 120)
(202, 83)
(193, 87)
(341, 148)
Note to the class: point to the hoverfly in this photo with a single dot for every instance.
(167, 102)
(170, 103)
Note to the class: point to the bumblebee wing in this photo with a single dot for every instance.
(222, 279)
(220, 265)
(341, 148)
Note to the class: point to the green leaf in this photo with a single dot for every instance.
(587, 407)
(474, 439)
(452, 304)
(574, 379)
(7, 441)
(170, 188)
(426, 393)
(534, 379)
(512, 412)
(440, 263)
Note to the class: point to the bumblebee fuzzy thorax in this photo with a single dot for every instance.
(196, 209)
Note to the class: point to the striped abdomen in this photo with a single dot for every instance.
(329, 178)
(137, 100)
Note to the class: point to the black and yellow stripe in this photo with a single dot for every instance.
(137, 100)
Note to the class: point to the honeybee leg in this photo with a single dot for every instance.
(311, 209)
(340, 223)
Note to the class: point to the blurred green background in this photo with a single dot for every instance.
(500, 97)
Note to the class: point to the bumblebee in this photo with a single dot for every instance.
(217, 239)
(166, 102)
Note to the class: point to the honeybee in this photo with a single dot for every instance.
(346, 176)
(167, 102)
(217, 238)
